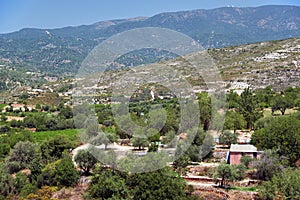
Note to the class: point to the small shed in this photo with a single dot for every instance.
(238, 150)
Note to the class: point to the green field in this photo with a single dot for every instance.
(71, 134)
(2, 106)
(244, 189)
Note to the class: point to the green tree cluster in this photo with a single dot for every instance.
(228, 138)
(281, 134)
(284, 185)
(226, 173)
(161, 184)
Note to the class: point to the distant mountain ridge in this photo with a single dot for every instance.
(61, 51)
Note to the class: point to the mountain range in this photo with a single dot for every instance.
(61, 51)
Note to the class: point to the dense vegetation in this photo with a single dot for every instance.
(46, 152)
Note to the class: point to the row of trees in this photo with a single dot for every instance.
(44, 121)
(267, 98)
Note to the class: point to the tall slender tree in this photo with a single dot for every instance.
(249, 108)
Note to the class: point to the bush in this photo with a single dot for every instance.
(246, 160)
(12, 167)
(239, 172)
(6, 184)
(284, 185)
(28, 189)
(53, 148)
(85, 160)
(19, 182)
(228, 173)
(4, 129)
(59, 173)
(269, 165)
(66, 174)
(228, 138)
(108, 185)
(4, 150)
(24, 153)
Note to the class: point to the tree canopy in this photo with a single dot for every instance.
(281, 134)
(85, 160)
(249, 108)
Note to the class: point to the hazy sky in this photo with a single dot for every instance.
(18, 14)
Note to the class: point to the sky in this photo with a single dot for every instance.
(18, 14)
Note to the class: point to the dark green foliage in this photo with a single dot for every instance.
(66, 112)
(234, 121)
(228, 173)
(105, 138)
(19, 182)
(200, 147)
(265, 96)
(12, 167)
(205, 107)
(153, 147)
(27, 189)
(239, 171)
(246, 160)
(47, 176)
(181, 163)
(35, 169)
(6, 184)
(24, 152)
(249, 108)
(14, 123)
(285, 185)
(292, 94)
(46, 108)
(262, 122)
(107, 184)
(228, 138)
(281, 134)
(44, 121)
(4, 150)
(103, 112)
(153, 135)
(93, 130)
(53, 148)
(3, 118)
(4, 129)
(85, 160)
(170, 139)
(162, 184)
(281, 103)
(233, 99)
(225, 173)
(59, 173)
(66, 174)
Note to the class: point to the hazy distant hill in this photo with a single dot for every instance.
(61, 50)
